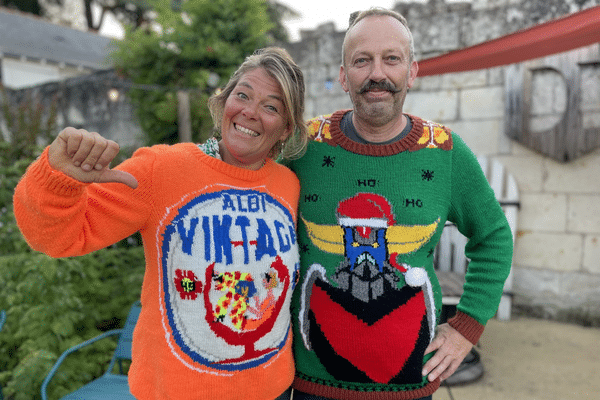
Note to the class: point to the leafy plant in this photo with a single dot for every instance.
(28, 125)
(54, 304)
(185, 47)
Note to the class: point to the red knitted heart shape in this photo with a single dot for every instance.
(379, 350)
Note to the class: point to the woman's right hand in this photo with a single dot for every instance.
(86, 156)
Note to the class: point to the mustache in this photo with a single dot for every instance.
(382, 85)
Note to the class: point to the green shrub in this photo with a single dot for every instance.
(26, 124)
(197, 40)
(54, 304)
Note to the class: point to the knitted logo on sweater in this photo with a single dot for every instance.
(228, 261)
(371, 320)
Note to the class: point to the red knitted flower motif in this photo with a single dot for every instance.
(187, 284)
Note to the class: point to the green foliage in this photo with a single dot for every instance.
(28, 6)
(26, 124)
(180, 52)
(133, 12)
(11, 240)
(54, 304)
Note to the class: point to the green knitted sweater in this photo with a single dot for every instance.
(368, 299)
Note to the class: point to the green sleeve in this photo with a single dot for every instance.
(478, 216)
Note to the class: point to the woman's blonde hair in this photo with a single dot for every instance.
(278, 64)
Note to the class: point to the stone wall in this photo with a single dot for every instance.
(95, 102)
(557, 250)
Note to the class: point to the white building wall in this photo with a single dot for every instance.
(17, 74)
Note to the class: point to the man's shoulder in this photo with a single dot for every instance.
(319, 126)
(321, 118)
(431, 134)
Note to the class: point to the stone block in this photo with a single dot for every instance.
(571, 297)
(462, 80)
(584, 214)
(578, 176)
(558, 252)
(591, 254)
(430, 83)
(441, 36)
(580, 287)
(542, 212)
(487, 26)
(325, 105)
(436, 106)
(505, 144)
(482, 137)
(535, 281)
(496, 76)
(482, 103)
(487, 4)
(519, 150)
(528, 170)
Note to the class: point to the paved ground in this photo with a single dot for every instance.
(532, 359)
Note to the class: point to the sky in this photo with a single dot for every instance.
(316, 12)
(313, 13)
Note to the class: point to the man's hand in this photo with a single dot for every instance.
(85, 156)
(452, 348)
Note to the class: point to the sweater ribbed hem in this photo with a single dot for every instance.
(347, 394)
(467, 326)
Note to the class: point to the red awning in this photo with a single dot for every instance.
(556, 36)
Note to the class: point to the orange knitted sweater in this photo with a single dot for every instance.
(221, 261)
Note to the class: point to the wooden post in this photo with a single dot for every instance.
(184, 120)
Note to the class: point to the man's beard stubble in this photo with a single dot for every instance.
(378, 113)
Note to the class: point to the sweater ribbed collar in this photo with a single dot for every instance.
(236, 172)
(377, 150)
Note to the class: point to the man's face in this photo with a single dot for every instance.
(377, 71)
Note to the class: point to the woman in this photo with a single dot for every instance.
(218, 225)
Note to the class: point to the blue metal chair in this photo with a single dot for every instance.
(110, 385)
(2, 321)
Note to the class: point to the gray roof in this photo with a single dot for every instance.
(30, 36)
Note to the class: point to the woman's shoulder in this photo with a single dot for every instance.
(282, 168)
(167, 152)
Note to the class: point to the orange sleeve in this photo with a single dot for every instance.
(62, 217)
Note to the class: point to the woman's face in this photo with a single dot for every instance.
(254, 120)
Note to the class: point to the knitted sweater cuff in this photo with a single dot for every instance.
(467, 326)
(55, 181)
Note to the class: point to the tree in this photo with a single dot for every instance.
(130, 12)
(28, 6)
(186, 48)
(135, 13)
(278, 12)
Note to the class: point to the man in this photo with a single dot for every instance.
(377, 187)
